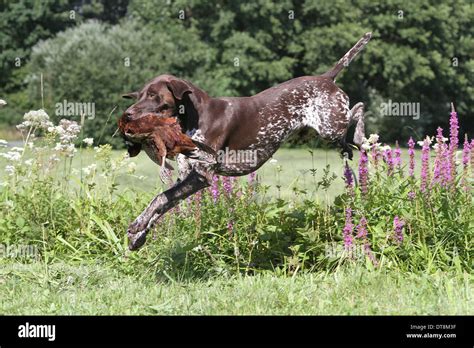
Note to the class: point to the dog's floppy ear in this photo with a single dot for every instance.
(131, 95)
(179, 88)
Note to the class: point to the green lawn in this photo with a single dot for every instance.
(69, 289)
(294, 168)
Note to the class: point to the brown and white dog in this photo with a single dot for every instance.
(253, 127)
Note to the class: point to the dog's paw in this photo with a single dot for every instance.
(136, 240)
(136, 233)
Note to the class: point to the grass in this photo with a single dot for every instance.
(294, 168)
(9, 133)
(93, 289)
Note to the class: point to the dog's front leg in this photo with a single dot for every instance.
(161, 204)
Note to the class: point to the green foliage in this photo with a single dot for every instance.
(26, 23)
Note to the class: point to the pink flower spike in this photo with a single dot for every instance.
(425, 164)
(411, 154)
(397, 159)
(398, 225)
(348, 230)
(348, 177)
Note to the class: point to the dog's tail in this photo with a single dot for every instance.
(344, 61)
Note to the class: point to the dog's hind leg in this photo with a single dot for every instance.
(357, 117)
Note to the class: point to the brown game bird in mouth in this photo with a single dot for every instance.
(161, 138)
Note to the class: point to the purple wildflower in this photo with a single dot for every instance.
(472, 157)
(411, 154)
(398, 229)
(363, 172)
(440, 159)
(227, 185)
(453, 130)
(362, 234)
(230, 227)
(425, 164)
(348, 177)
(362, 228)
(252, 181)
(466, 154)
(348, 229)
(198, 198)
(252, 177)
(235, 185)
(411, 195)
(453, 144)
(215, 188)
(388, 158)
(397, 160)
(375, 155)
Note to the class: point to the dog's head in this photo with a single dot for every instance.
(164, 96)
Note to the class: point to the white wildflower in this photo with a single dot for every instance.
(89, 169)
(198, 248)
(88, 141)
(67, 149)
(132, 166)
(12, 156)
(385, 148)
(273, 161)
(2, 102)
(3, 143)
(35, 118)
(10, 170)
(373, 138)
(29, 162)
(67, 131)
(428, 139)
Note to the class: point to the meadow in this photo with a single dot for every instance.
(301, 237)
